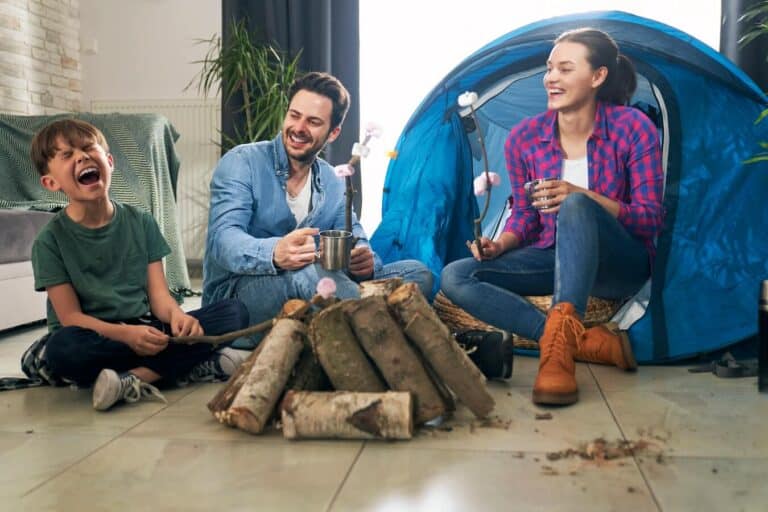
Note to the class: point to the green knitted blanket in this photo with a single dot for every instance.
(146, 169)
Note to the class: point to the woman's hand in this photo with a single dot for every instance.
(493, 248)
(554, 192)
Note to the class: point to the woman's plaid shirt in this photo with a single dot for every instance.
(624, 164)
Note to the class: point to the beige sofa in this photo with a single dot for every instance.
(19, 302)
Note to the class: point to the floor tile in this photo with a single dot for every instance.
(675, 378)
(189, 418)
(62, 409)
(385, 480)
(514, 425)
(696, 423)
(699, 484)
(31, 458)
(526, 368)
(157, 474)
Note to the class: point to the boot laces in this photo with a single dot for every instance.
(559, 343)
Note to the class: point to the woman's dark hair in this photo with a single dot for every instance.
(326, 85)
(602, 50)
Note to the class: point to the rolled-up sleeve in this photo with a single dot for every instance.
(642, 215)
(231, 210)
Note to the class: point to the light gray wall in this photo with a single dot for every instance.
(143, 49)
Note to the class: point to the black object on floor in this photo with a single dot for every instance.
(491, 351)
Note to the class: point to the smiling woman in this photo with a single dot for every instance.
(448, 38)
(596, 211)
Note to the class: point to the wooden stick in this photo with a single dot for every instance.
(345, 415)
(294, 308)
(382, 339)
(449, 361)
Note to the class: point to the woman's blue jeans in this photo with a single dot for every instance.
(593, 255)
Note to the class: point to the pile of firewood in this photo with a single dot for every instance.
(391, 361)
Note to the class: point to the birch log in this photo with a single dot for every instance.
(223, 399)
(308, 374)
(379, 287)
(339, 352)
(263, 386)
(447, 359)
(347, 415)
(382, 339)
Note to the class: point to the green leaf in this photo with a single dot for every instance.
(255, 73)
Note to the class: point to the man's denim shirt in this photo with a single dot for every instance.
(249, 214)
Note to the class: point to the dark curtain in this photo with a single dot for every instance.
(327, 33)
(750, 58)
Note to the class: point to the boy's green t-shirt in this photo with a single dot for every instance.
(106, 266)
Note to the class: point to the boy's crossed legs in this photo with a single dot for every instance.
(85, 357)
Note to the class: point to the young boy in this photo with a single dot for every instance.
(110, 313)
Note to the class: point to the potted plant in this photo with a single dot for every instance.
(757, 17)
(252, 72)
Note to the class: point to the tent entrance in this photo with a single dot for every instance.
(511, 100)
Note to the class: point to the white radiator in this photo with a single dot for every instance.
(198, 122)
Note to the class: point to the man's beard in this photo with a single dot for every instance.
(308, 156)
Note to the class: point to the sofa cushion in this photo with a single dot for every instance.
(20, 227)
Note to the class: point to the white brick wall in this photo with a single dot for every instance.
(40, 69)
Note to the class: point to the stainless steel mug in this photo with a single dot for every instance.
(335, 246)
(530, 188)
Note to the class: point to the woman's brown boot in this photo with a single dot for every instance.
(606, 344)
(556, 380)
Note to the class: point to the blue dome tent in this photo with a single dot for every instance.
(713, 249)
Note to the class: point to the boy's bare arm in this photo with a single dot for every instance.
(144, 340)
(165, 307)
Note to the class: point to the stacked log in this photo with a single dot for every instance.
(391, 361)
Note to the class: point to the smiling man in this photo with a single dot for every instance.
(269, 201)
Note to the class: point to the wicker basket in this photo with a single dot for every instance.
(598, 311)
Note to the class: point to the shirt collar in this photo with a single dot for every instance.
(283, 166)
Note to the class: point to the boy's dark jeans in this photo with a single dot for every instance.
(80, 354)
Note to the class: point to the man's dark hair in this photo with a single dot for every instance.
(326, 85)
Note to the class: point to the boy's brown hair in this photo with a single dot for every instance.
(77, 133)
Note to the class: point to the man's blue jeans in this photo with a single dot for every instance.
(593, 255)
(264, 295)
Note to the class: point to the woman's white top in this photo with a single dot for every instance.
(576, 172)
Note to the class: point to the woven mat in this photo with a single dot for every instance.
(599, 311)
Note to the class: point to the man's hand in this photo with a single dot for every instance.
(144, 339)
(296, 249)
(361, 262)
(183, 324)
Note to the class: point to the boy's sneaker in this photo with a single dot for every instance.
(491, 351)
(111, 388)
(220, 366)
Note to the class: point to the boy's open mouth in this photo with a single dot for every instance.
(88, 176)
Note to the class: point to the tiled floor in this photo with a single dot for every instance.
(707, 450)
